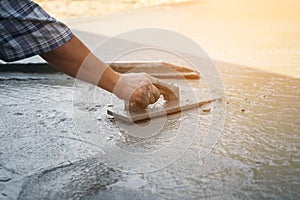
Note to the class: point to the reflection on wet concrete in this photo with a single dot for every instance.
(42, 156)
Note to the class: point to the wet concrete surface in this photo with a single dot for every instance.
(44, 154)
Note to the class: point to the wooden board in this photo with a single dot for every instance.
(157, 69)
(165, 110)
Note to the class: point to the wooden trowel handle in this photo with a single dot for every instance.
(169, 91)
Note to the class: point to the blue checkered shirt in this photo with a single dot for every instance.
(27, 30)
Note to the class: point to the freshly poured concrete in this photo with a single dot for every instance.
(43, 156)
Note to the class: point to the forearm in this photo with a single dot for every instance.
(76, 60)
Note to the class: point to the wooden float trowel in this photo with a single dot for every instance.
(170, 93)
(175, 99)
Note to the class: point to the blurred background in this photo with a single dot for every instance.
(262, 34)
(88, 8)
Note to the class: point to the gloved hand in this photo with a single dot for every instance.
(137, 89)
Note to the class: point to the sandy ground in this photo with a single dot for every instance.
(261, 34)
(63, 9)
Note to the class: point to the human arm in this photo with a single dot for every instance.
(76, 60)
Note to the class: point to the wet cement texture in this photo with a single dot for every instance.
(257, 156)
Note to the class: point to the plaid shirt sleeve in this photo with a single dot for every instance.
(27, 30)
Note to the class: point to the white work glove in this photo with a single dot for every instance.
(137, 89)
